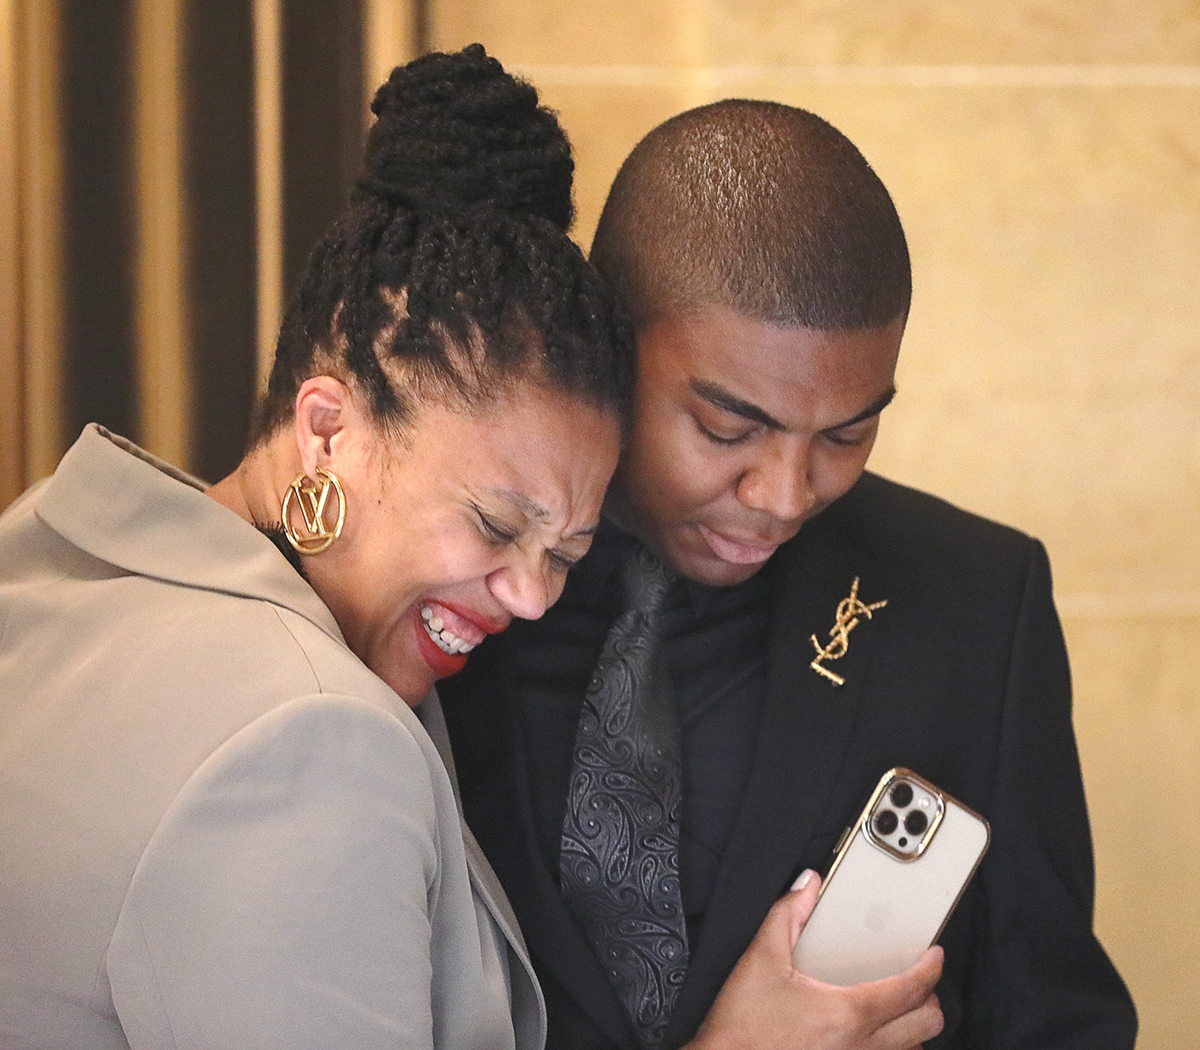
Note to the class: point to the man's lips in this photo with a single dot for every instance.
(737, 551)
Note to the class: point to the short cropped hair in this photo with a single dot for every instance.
(758, 206)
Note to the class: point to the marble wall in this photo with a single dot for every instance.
(1045, 158)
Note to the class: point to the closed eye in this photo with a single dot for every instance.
(494, 531)
(560, 561)
(725, 440)
(854, 436)
(845, 440)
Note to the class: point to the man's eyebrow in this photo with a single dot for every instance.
(873, 409)
(723, 399)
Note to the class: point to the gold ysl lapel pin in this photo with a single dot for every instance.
(849, 611)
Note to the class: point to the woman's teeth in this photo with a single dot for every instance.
(447, 642)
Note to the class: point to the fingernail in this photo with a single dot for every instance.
(804, 879)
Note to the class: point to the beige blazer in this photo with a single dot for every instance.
(217, 827)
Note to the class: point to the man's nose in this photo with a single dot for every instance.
(777, 482)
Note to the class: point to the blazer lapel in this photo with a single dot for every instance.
(487, 887)
(502, 819)
(528, 1003)
(807, 726)
(483, 876)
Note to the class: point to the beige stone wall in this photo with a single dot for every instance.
(1045, 158)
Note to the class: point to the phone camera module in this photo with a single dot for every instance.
(905, 816)
(902, 794)
(916, 822)
(886, 822)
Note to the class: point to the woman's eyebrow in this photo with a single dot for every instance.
(534, 511)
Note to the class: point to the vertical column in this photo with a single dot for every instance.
(268, 177)
(309, 117)
(393, 33)
(323, 121)
(99, 214)
(37, 131)
(160, 304)
(12, 393)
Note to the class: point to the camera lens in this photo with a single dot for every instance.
(915, 822)
(902, 794)
(886, 822)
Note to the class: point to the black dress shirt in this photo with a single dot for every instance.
(713, 647)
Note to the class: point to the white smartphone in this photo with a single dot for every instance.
(897, 874)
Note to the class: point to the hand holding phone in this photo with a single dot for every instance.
(897, 874)
(762, 1005)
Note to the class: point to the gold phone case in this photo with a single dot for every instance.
(897, 875)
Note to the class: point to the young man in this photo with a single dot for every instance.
(828, 626)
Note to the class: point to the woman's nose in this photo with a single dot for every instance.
(521, 587)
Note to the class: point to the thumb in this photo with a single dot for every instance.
(787, 917)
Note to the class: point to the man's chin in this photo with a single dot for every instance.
(709, 557)
(722, 574)
(703, 566)
(686, 550)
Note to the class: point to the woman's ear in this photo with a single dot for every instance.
(324, 409)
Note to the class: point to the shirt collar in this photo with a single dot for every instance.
(611, 544)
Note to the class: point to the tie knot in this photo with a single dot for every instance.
(644, 580)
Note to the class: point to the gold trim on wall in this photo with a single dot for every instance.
(163, 379)
(388, 29)
(12, 399)
(268, 176)
(38, 131)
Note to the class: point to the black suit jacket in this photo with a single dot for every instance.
(962, 677)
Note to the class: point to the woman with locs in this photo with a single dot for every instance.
(223, 824)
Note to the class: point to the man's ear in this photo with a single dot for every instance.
(324, 409)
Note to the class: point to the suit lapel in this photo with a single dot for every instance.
(807, 726)
(554, 936)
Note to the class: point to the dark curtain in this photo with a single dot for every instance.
(323, 118)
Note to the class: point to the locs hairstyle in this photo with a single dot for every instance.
(758, 206)
(451, 275)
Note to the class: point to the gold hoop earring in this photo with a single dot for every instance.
(313, 499)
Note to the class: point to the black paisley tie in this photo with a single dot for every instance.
(619, 864)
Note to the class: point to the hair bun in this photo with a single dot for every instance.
(455, 130)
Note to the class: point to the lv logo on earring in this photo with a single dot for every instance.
(312, 498)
